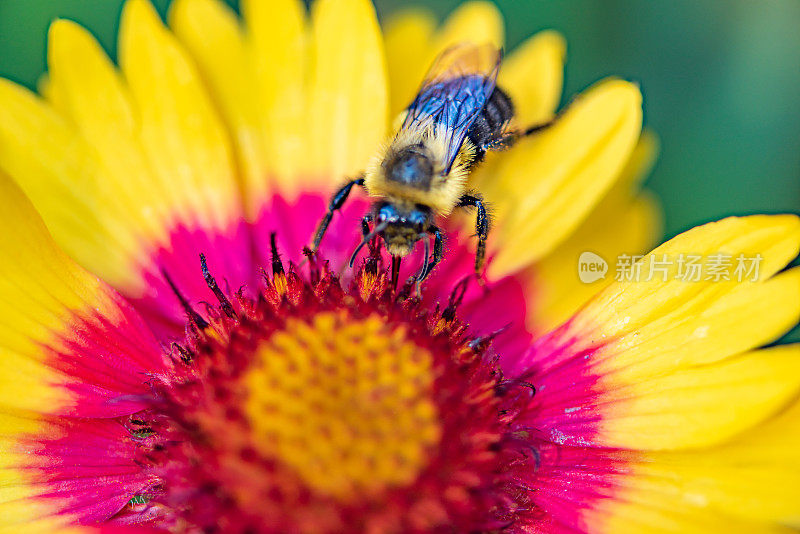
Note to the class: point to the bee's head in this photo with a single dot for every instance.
(403, 226)
(411, 165)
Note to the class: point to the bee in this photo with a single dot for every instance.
(457, 116)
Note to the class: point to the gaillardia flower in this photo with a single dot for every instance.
(184, 366)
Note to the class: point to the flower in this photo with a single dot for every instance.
(240, 391)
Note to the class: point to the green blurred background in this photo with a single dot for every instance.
(721, 80)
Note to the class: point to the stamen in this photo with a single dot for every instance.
(278, 274)
(277, 265)
(185, 356)
(367, 238)
(214, 287)
(396, 260)
(481, 343)
(194, 317)
(456, 297)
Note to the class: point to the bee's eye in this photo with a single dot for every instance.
(387, 213)
(417, 220)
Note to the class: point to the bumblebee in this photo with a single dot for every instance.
(457, 116)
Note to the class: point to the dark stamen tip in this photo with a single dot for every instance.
(194, 317)
(277, 265)
(211, 282)
(185, 355)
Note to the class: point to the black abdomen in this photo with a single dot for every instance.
(488, 128)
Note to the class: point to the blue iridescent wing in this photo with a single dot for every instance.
(453, 94)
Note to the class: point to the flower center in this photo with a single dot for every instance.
(345, 402)
(313, 408)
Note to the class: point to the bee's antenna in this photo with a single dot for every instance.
(367, 238)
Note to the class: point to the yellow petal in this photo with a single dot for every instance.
(667, 351)
(211, 33)
(180, 132)
(622, 223)
(547, 185)
(752, 480)
(277, 48)
(626, 307)
(42, 294)
(348, 99)
(476, 21)
(653, 507)
(93, 96)
(559, 291)
(408, 37)
(703, 331)
(57, 170)
(704, 405)
(533, 75)
(39, 286)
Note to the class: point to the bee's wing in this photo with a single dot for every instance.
(453, 94)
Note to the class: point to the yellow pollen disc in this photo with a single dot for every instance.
(345, 403)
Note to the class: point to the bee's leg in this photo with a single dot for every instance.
(481, 227)
(420, 276)
(438, 250)
(336, 203)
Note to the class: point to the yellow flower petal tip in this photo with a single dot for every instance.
(138, 12)
(189, 12)
(478, 22)
(64, 31)
(626, 306)
(533, 74)
(549, 183)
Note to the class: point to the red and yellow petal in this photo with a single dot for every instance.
(132, 157)
(72, 349)
(669, 364)
(70, 344)
(130, 167)
(749, 483)
(56, 473)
